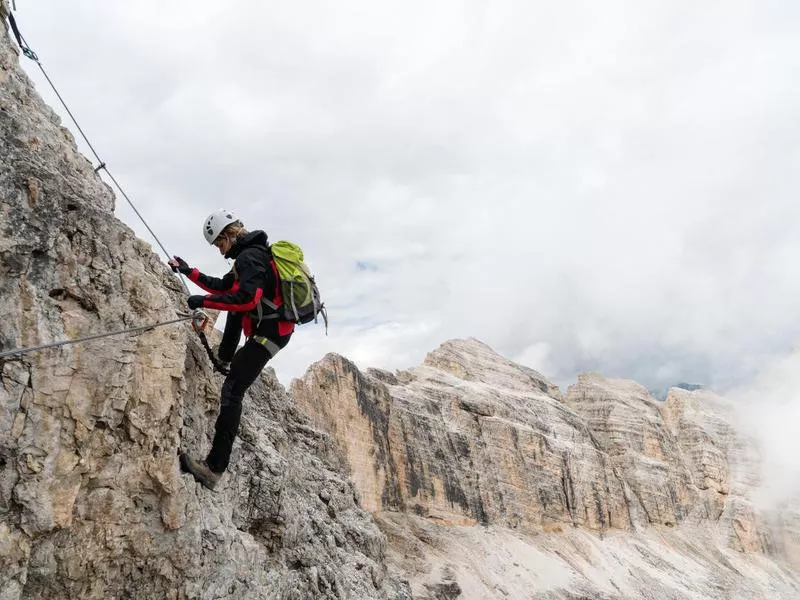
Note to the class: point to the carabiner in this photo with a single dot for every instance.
(199, 320)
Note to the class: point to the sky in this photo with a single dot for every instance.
(583, 186)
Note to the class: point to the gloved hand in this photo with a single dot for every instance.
(179, 265)
(195, 301)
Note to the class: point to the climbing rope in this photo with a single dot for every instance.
(97, 336)
(28, 52)
(218, 364)
(199, 319)
(199, 325)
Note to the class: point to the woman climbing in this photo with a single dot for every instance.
(240, 292)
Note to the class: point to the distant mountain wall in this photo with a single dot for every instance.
(471, 439)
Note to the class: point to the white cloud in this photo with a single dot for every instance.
(615, 183)
(769, 410)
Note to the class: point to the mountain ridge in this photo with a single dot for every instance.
(470, 442)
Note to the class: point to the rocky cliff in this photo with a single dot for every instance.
(92, 504)
(491, 483)
(468, 476)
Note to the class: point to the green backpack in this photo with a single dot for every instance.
(301, 299)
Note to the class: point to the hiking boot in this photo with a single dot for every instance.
(200, 471)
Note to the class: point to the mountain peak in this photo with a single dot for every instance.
(472, 360)
(467, 439)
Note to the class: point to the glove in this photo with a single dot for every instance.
(179, 265)
(195, 301)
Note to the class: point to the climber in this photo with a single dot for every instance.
(252, 277)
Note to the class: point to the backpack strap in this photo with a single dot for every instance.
(273, 304)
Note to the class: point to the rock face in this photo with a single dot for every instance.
(92, 504)
(612, 492)
(470, 476)
(468, 438)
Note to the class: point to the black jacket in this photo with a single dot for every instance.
(240, 291)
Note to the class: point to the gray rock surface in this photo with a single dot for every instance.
(468, 477)
(92, 503)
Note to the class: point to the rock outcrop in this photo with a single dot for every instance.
(92, 504)
(470, 476)
(612, 492)
(468, 438)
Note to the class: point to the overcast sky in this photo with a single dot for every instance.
(607, 186)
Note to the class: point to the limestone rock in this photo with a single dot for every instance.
(467, 477)
(92, 503)
(497, 447)
(612, 492)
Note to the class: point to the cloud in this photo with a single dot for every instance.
(613, 184)
(769, 410)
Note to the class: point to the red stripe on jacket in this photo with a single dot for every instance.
(248, 306)
(194, 277)
(284, 327)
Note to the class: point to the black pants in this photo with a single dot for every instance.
(246, 365)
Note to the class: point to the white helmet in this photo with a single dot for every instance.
(216, 222)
